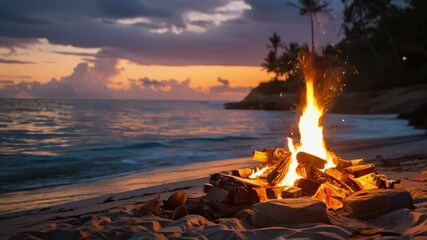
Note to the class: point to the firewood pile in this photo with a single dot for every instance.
(263, 182)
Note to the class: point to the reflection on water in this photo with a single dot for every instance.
(48, 142)
(51, 142)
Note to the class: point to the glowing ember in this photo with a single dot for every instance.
(258, 173)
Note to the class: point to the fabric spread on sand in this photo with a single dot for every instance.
(123, 225)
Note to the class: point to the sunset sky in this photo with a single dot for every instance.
(145, 49)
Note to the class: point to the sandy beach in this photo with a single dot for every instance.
(31, 212)
(231, 119)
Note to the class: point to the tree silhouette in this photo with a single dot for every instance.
(272, 63)
(363, 17)
(311, 8)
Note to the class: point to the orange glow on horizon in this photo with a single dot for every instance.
(200, 75)
(47, 63)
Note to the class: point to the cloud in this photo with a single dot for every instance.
(148, 83)
(84, 82)
(80, 54)
(9, 61)
(6, 82)
(224, 87)
(224, 82)
(167, 32)
(16, 76)
(13, 43)
(91, 81)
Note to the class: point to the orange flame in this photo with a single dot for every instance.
(310, 130)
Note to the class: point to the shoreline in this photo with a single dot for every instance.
(24, 200)
(71, 201)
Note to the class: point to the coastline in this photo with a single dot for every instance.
(68, 201)
(23, 200)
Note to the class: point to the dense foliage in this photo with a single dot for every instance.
(385, 46)
(386, 41)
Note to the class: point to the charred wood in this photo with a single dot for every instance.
(271, 155)
(279, 172)
(309, 159)
(360, 170)
(308, 187)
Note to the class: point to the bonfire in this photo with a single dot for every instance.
(304, 168)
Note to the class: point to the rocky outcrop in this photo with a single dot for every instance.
(417, 117)
(257, 101)
(272, 95)
(409, 100)
(396, 100)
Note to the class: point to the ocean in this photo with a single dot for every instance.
(46, 143)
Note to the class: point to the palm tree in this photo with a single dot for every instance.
(272, 63)
(311, 8)
(362, 17)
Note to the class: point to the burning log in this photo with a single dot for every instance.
(341, 163)
(303, 166)
(207, 187)
(244, 172)
(260, 156)
(232, 189)
(239, 190)
(374, 181)
(323, 177)
(309, 159)
(285, 192)
(361, 170)
(271, 155)
(279, 172)
(308, 187)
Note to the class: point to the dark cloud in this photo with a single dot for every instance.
(80, 54)
(9, 61)
(224, 82)
(128, 9)
(148, 83)
(13, 43)
(224, 87)
(167, 32)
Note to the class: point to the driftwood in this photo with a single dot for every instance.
(150, 207)
(175, 200)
